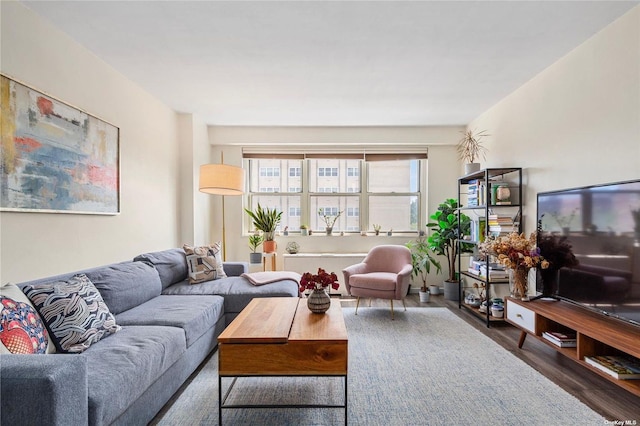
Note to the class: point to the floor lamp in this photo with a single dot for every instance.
(222, 179)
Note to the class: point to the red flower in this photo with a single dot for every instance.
(319, 281)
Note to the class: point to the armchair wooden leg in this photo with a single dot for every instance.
(391, 309)
(357, 304)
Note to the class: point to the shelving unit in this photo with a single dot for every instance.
(478, 194)
(596, 334)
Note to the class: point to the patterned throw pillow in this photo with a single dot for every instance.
(204, 263)
(21, 328)
(74, 312)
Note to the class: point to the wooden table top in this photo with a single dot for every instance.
(285, 319)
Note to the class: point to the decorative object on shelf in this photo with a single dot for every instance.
(318, 300)
(254, 241)
(376, 228)
(266, 220)
(470, 149)
(304, 231)
(390, 232)
(497, 310)
(500, 194)
(293, 247)
(285, 232)
(518, 254)
(329, 220)
(448, 227)
(421, 261)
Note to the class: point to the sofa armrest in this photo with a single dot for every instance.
(43, 389)
(235, 269)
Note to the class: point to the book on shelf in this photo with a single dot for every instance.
(563, 340)
(623, 367)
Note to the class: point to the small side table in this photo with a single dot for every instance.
(273, 257)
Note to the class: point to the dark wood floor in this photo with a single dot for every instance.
(594, 391)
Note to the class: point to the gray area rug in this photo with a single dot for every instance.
(427, 367)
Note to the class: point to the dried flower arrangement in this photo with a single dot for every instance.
(515, 251)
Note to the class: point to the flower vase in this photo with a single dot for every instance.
(518, 283)
(318, 301)
(329, 230)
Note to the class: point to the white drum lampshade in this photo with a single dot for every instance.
(221, 179)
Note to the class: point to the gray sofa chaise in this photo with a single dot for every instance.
(168, 328)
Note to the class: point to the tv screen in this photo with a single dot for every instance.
(594, 232)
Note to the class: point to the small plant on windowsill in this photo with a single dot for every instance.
(329, 220)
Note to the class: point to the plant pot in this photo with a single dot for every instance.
(471, 168)
(255, 258)
(434, 289)
(424, 296)
(318, 301)
(452, 290)
(304, 232)
(329, 230)
(269, 246)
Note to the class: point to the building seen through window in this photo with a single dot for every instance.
(386, 193)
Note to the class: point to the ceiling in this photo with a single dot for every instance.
(330, 63)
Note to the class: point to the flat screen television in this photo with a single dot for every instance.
(601, 225)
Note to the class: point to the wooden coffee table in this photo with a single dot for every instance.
(279, 336)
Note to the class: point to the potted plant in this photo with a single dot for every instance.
(421, 260)
(304, 230)
(376, 228)
(254, 241)
(470, 149)
(329, 220)
(266, 220)
(443, 240)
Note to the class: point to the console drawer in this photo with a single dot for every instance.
(521, 316)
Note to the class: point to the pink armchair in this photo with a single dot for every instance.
(384, 274)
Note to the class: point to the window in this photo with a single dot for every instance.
(269, 171)
(294, 171)
(380, 191)
(327, 171)
(294, 211)
(328, 189)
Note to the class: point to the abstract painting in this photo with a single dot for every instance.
(55, 158)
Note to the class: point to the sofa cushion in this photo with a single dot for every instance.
(74, 312)
(171, 265)
(125, 285)
(237, 291)
(22, 331)
(204, 263)
(193, 314)
(122, 367)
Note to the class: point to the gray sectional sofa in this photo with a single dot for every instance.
(168, 328)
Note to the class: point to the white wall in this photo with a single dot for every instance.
(443, 171)
(36, 245)
(576, 123)
(195, 207)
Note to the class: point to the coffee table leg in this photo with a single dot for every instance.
(345, 399)
(219, 400)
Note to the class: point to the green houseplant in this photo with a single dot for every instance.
(266, 220)
(445, 232)
(422, 259)
(254, 241)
